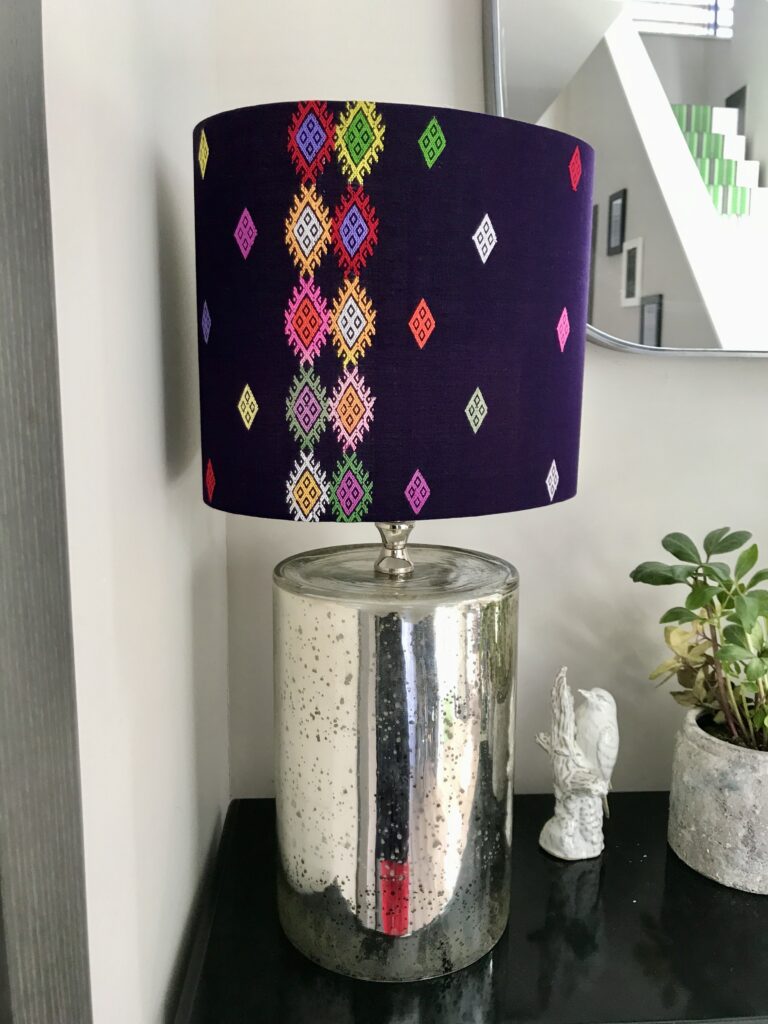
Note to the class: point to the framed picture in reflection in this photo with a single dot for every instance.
(632, 272)
(651, 308)
(617, 219)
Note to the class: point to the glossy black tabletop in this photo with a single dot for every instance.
(632, 936)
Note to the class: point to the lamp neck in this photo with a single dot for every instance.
(393, 560)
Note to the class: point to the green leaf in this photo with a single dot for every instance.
(678, 615)
(760, 598)
(685, 697)
(735, 635)
(747, 686)
(760, 577)
(719, 570)
(713, 538)
(658, 575)
(747, 609)
(756, 669)
(700, 596)
(733, 652)
(681, 547)
(731, 542)
(745, 561)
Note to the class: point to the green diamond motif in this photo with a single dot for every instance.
(432, 142)
(358, 137)
(306, 408)
(476, 410)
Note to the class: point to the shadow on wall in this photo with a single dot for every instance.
(179, 344)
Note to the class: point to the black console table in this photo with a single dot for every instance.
(634, 936)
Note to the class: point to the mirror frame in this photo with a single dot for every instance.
(493, 73)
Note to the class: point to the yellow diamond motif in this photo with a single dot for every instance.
(247, 406)
(359, 139)
(307, 492)
(202, 153)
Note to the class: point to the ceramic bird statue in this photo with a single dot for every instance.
(597, 733)
(583, 746)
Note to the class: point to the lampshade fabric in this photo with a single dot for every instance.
(391, 310)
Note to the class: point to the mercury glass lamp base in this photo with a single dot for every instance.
(394, 706)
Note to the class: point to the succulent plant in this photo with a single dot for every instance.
(718, 637)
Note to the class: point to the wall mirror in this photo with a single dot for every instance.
(673, 96)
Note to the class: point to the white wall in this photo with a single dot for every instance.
(125, 82)
(593, 106)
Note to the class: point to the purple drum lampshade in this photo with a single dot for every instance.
(391, 311)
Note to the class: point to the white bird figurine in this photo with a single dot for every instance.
(583, 746)
(597, 733)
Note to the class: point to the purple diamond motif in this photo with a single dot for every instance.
(245, 233)
(310, 137)
(349, 492)
(307, 408)
(417, 491)
(354, 230)
(205, 322)
(563, 328)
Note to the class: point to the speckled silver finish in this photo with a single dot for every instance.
(718, 809)
(393, 712)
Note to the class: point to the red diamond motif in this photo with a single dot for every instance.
(422, 323)
(310, 139)
(574, 168)
(210, 480)
(355, 230)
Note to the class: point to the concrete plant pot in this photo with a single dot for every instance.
(718, 810)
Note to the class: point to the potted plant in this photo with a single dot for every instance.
(718, 638)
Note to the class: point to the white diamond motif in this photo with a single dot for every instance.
(308, 230)
(484, 238)
(351, 321)
(553, 479)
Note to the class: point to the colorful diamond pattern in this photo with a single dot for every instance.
(210, 480)
(359, 139)
(432, 142)
(574, 168)
(476, 410)
(306, 408)
(355, 230)
(245, 233)
(307, 320)
(307, 490)
(203, 152)
(422, 323)
(553, 479)
(484, 238)
(353, 322)
(417, 491)
(307, 229)
(205, 322)
(247, 407)
(351, 409)
(563, 328)
(351, 490)
(310, 139)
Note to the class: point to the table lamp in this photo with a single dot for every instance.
(392, 306)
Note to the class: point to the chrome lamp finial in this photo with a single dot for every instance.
(393, 560)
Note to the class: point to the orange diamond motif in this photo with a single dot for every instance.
(422, 323)
(351, 409)
(308, 229)
(307, 490)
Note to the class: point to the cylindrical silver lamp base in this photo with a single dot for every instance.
(394, 713)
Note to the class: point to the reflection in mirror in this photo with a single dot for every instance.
(673, 96)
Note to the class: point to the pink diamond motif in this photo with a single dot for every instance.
(417, 491)
(245, 233)
(349, 492)
(563, 328)
(574, 168)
